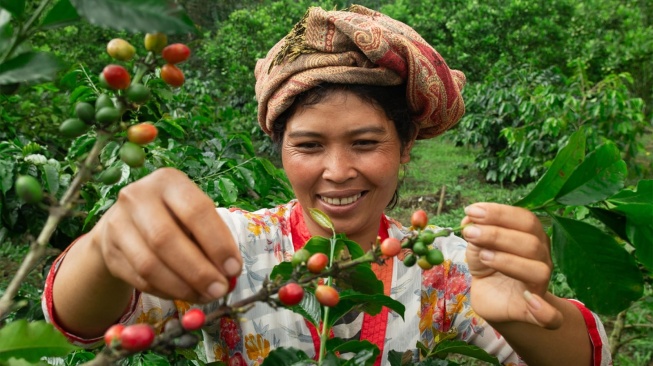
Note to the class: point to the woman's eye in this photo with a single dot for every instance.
(308, 145)
(365, 143)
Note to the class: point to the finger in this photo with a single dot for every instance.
(541, 312)
(134, 262)
(511, 217)
(507, 240)
(196, 213)
(529, 271)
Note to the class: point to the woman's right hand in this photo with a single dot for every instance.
(163, 236)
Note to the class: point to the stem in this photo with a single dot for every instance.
(615, 335)
(324, 335)
(63, 208)
(24, 31)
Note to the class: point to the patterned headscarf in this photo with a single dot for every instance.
(359, 46)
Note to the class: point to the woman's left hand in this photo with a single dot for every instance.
(509, 258)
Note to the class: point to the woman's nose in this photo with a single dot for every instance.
(339, 166)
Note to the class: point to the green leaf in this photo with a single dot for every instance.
(342, 346)
(6, 175)
(309, 308)
(321, 218)
(598, 177)
(136, 15)
(21, 362)
(395, 358)
(228, 190)
(30, 67)
(15, 7)
(636, 204)
(368, 303)
(448, 347)
(62, 13)
(641, 236)
(6, 31)
(568, 158)
(32, 341)
(283, 270)
(172, 128)
(51, 178)
(613, 220)
(601, 273)
(287, 357)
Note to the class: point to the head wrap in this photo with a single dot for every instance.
(359, 46)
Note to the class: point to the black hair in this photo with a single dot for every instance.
(391, 99)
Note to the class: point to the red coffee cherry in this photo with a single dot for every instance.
(327, 295)
(113, 334)
(291, 294)
(116, 77)
(142, 133)
(193, 319)
(172, 75)
(317, 262)
(137, 337)
(390, 247)
(232, 283)
(176, 53)
(419, 219)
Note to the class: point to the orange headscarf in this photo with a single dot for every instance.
(359, 46)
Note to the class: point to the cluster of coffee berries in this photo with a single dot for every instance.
(292, 293)
(423, 252)
(139, 337)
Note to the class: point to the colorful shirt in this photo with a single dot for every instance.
(436, 300)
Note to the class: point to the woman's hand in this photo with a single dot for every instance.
(510, 263)
(163, 236)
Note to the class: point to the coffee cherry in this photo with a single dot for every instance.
(113, 335)
(410, 260)
(327, 295)
(142, 133)
(423, 263)
(28, 189)
(233, 281)
(317, 262)
(102, 81)
(172, 75)
(176, 53)
(291, 294)
(419, 248)
(73, 127)
(155, 42)
(426, 236)
(300, 257)
(132, 154)
(116, 77)
(435, 257)
(390, 247)
(110, 176)
(137, 337)
(85, 112)
(120, 49)
(419, 219)
(193, 319)
(137, 93)
(102, 101)
(107, 115)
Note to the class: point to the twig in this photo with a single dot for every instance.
(441, 203)
(615, 335)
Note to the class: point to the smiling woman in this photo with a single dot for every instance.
(344, 96)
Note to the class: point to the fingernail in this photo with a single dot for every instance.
(531, 300)
(475, 211)
(486, 255)
(471, 232)
(217, 289)
(231, 267)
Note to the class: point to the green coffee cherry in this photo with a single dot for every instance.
(29, 189)
(426, 236)
(419, 248)
(107, 115)
(132, 154)
(410, 260)
(110, 176)
(300, 256)
(434, 257)
(103, 101)
(85, 112)
(138, 93)
(73, 127)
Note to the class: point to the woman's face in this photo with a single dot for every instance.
(342, 156)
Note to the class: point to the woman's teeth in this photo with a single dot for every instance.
(341, 201)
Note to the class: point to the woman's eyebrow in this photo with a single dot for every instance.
(375, 130)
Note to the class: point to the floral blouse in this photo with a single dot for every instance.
(436, 300)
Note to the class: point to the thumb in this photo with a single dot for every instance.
(541, 312)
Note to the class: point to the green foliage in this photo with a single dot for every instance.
(32, 341)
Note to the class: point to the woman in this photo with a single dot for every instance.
(344, 96)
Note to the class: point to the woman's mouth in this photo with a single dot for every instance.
(341, 201)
